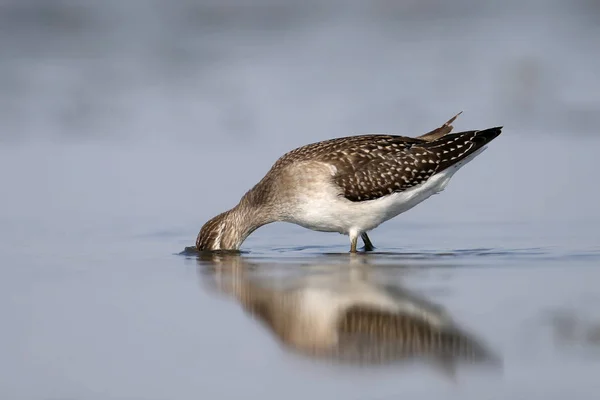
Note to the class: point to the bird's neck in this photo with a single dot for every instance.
(244, 219)
(228, 230)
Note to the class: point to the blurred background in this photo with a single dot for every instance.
(209, 72)
(170, 110)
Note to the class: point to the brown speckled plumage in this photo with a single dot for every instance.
(372, 166)
(331, 186)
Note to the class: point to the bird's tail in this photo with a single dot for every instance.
(455, 147)
(439, 132)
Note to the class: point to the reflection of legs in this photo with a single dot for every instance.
(368, 245)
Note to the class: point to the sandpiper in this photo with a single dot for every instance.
(348, 185)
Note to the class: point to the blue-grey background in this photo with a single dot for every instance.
(125, 125)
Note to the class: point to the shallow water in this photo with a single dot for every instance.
(144, 323)
(114, 311)
(99, 303)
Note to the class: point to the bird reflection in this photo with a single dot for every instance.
(342, 313)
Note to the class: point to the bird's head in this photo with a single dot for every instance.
(220, 233)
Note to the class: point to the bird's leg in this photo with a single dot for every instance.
(353, 242)
(368, 244)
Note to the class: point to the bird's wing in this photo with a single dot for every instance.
(382, 165)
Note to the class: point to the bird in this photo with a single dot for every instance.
(349, 185)
(346, 315)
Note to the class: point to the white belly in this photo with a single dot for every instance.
(330, 212)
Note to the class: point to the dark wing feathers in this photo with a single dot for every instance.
(372, 166)
(384, 174)
(380, 166)
(453, 148)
